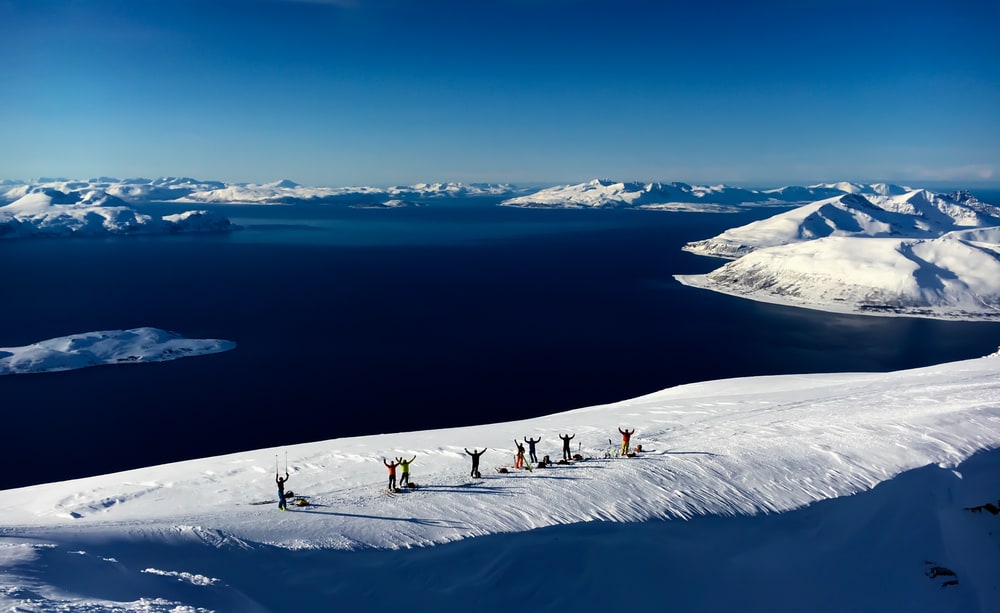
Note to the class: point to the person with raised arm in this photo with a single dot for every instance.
(626, 436)
(281, 490)
(531, 448)
(519, 455)
(566, 439)
(475, 461)
(404, 466)
(392, 473)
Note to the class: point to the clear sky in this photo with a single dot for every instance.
(378, 92)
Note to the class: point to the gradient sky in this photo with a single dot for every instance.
(379, 92)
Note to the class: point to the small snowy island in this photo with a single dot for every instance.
(135, 346)
(879, 251)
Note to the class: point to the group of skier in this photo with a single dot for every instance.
(519, 461)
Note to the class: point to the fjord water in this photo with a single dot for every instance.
(362, 321)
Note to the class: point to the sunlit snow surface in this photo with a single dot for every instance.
(825, 492)
(133, 346)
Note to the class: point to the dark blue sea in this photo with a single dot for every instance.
(359, 321)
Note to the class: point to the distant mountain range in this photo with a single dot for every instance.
(605, 193)
(188, 190)
(599, 193)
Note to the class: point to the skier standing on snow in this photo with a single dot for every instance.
(475, 461)
(626, 435)
(519, 456)
(565, 440)
(281, 490)
(392, 473)
(404, 465)
(531, 448)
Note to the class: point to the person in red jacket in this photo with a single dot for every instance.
(392, 473)
(626, 435)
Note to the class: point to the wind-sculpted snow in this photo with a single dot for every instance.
(756, 450)
(915, 254)
(138, 345)
(53, 213)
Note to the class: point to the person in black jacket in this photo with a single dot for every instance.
(281, 490)
(475, 461)
(566, 439)
(531, 448)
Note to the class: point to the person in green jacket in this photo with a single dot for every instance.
(404, 466)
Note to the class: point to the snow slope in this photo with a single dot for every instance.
(916, 254)
(824, 492)
(54, 213)
(138, 345)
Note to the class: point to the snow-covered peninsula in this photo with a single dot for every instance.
(916, 254)
(828, 492)
(134, 346)
(55, 213)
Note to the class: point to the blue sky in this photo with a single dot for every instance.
(378, 92)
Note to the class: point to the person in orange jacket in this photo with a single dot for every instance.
(626, 436)
(392, 473)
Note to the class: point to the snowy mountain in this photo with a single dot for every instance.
(48, 212)
(828, 492)
(913, 214)
(605, 193)
(916, 254)
(138, 345)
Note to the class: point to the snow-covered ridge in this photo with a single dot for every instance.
(606, 193)
(778, 453)
(138, 345)
(49, 212)
(917, 253)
